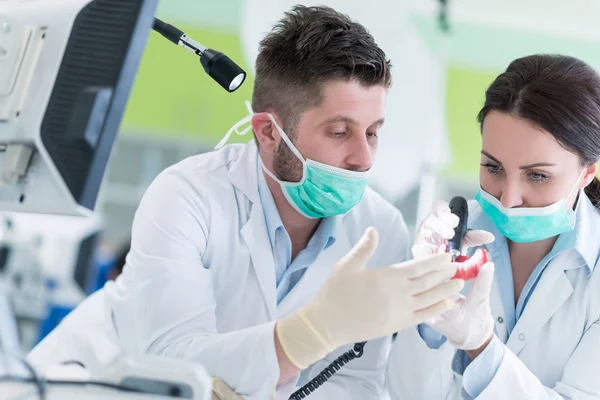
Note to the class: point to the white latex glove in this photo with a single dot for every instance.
(470, 323)
(223, 392)
(438, 228)
(357, 304)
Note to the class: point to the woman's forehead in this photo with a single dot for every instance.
(514, 140)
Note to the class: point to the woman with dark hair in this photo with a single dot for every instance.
(529, 326)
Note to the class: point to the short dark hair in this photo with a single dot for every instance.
(310, 46)
(558, 93)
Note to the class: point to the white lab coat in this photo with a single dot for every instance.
(199, 282)
(552, 353)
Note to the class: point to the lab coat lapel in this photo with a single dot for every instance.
(317, 273)
(243, 175)
(498, 312)
(243, 172)
(551, 292)
(256, 237)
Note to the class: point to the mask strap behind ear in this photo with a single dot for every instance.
(287, 140)
(272, 175)
(237, 125)
(578, 198)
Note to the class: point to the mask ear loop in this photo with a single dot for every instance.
(293, 148)
(577, 200)
(235, 128)
(287, 140)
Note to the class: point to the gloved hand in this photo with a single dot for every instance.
(357, 304)
(438, 228)
(223, 392)
(470, 323)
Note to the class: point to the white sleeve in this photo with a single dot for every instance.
(163, 303)
(579, 381)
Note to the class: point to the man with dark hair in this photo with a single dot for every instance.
(307, 49)
(242, 259)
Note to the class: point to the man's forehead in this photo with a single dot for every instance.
(349, 102)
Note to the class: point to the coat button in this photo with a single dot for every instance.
(500, 319)
(521, 337)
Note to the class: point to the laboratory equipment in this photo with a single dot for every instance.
(142, 378)
(46, 263)
(65, 75)
(59, 116)
(66, 71)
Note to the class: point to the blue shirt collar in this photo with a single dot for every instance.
(581, 238)
(325, 233)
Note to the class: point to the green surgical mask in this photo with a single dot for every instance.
(324, 190)
(529, 224)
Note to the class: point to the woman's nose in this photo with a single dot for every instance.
(511, 196)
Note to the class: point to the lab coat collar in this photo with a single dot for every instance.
(554, 287)
(242, 173)
(254, 233)
(317, 273)
(587, 232)
(478, 220)
(552, 291)
(243, 176)
(329, 233)
(332, 239)
(325, 234)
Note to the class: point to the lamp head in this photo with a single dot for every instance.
(222, 69)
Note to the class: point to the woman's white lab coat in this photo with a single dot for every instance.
(553, 351)
(199, 282)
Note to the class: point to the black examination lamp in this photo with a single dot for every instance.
(216, 64)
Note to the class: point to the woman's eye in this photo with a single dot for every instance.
(492, 169)
(337, 134)
(537, 177)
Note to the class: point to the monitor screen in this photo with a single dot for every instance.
(66, 71)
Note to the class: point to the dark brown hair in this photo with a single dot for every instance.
(310, 46)
(561, 95)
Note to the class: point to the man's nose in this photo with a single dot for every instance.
(361, 156)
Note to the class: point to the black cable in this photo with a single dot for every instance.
(41, 383)
(108, 385)
(10, 378)
(170, 32)
(328, 372)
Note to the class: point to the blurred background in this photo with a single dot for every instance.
(444, 55)
(443, 60)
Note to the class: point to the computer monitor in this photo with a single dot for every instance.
(66, 71)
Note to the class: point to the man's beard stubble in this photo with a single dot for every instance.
(286, 166)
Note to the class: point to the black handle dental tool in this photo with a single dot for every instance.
(460, 208)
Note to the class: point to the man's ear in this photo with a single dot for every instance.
(266, 132)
